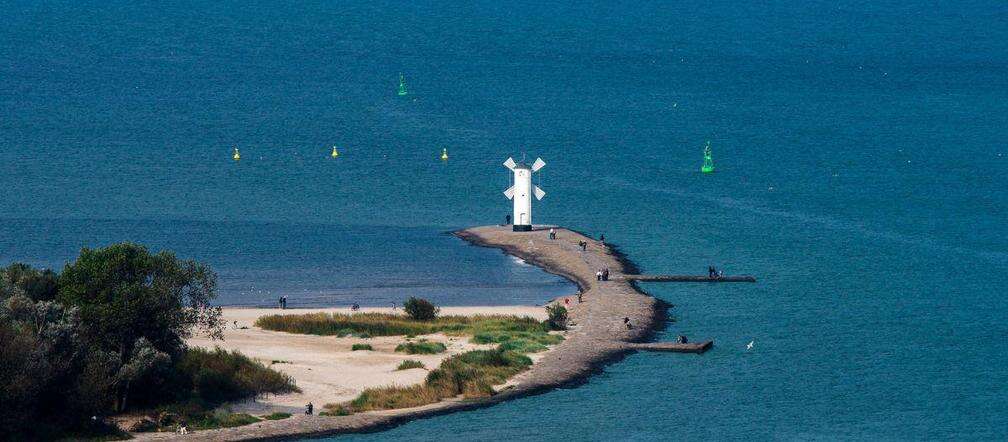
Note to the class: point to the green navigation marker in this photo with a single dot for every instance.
(708, 163)
(402, 85)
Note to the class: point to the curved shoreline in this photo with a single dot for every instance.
(597, 336)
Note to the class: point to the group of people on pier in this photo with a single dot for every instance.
(602, 274)
(714, 273)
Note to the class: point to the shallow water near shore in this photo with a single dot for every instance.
(860, 153)
(313, 265)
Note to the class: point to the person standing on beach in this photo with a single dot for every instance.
(309, 409)
(602, 238)
(280, 302)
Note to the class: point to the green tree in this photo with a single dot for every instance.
(22, 279)
(139, 306)
(39, 350)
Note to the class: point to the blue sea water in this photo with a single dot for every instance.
(861, 169)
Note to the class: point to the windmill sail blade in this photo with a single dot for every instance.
(510, 164)
(509, 193)
(538, 164)
(539, 193)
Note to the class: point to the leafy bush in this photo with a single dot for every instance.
(557, 317)
(421, 348)
(410, 363)
(420, 309)
(218, 376)
(356, 347)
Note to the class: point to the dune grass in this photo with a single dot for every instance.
(410, 363)
(522, 346)
(335, 410)
(222, 420)
(502, 336)
(471, 374)
(421, 348)
(388, 324)
(277, 416)
(356, 347)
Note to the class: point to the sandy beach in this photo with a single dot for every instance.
(598, 334)
(325, 367)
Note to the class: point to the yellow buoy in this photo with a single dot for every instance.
(236, 156)
(444, 154)
(334, 152)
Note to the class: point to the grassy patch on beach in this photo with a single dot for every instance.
(518, 341)
(522, 346)
(388, 324)
(410, 363)
(421, 348)
(277, 416)
(471, 374)
(500, 337)
(356, 347)
(221, 420)
(336, 410)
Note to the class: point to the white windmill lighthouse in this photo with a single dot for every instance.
(522, 190)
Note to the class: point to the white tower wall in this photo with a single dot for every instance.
(522, 198)
(522, 191)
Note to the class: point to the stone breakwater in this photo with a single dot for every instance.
(597, 335)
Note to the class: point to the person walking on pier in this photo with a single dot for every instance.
(309, 409)
(598, 275)
(552, 233)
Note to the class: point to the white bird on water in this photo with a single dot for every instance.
(749, 347)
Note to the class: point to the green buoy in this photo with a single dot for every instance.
(402, 85)
(708, 163)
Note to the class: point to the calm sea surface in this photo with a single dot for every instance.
(861, 176)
